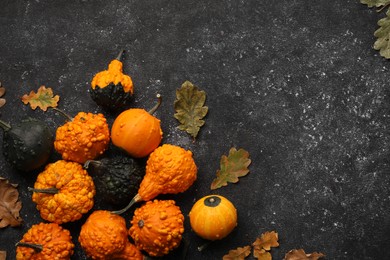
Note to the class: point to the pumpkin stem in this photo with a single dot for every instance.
(37, 247)
(63, 113)
(159, 100)
(87, 163)
(131, 203)
(48, 191)
(119, 57)
(4, 125)
(204, 246)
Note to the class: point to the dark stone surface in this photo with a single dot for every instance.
(296, 83)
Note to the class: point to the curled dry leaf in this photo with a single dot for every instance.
(263, 244)
(10, 204)
(3, 255)
(2, 92)
(299, 254)
(44, 98)
(239, 253)
(232, 167)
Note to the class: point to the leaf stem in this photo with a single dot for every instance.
(159, 100)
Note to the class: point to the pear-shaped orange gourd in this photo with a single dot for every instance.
(137, 131)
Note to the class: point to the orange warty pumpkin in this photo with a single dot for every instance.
(213, 217)
(157, 227)
(137, 132)
(84, 138)
(45, 241)
(104, 236)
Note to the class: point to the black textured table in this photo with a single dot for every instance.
(295, 83)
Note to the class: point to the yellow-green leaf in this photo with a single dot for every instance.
(232, 167)
(43, 99)
(190, 109)
(377, 3)
(383, 36)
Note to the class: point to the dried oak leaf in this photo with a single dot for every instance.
(44, 98)
(231, 168)
(376, 3)
(3, 255)
(383, 36)
(190, 109)
(299, 254)
(2, 92)
(263, 244)
(239, 253)
(10, 204)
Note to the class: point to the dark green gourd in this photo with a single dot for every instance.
(28, 144)
(116, 179)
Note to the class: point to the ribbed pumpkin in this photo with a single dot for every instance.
(137, 131)
(213, 217)
(157, 227)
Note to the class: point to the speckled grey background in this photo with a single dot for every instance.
(295, 83)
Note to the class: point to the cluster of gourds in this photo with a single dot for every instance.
(64, 191)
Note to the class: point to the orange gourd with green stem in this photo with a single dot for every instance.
(137, 131)
(170, 169)
(63, 192)
(45, 241)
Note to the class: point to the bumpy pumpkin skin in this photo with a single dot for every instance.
(110, 88)
(104, 235)
(137, 132)
(213, 217)
(84, 138)
(157, 227)
(56, 241)
(130, 252)
(170, 169)
(75, 195)
(116, 179)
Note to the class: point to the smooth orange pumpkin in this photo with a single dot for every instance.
(137, 131)
(213, 217)
(157, 227)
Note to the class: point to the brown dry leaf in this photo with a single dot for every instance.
(10, 204)
(2, 92)
(3, 255)
(299, 254)
(238, 254)
(232, 167)
(262, 254)
(263, 244)
(266, 241)
(44, 98)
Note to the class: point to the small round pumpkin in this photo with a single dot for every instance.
(157, 227)
(104, 236)
(213, 217)
(45, 241)
(84, 138)
(137, 131)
